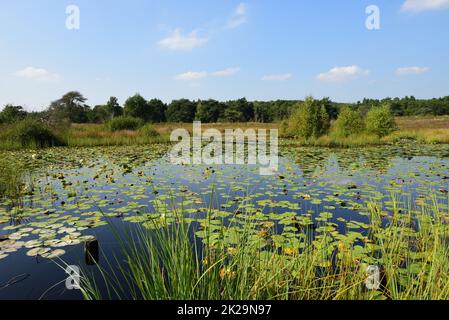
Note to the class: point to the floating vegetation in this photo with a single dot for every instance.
(328, 212)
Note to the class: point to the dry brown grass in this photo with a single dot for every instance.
(422, 129)
(167, 128)
(419, 123)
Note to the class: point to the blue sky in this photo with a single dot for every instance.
(262, 50)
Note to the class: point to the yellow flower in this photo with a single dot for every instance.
(262, 233)
(227, 273)
(222, 273)
(289, 251)
(325, 264)
(342, 247)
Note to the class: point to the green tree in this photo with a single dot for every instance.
(157, 110)
(70, 107)
(106, 112)
(182, 110)
(113, 108)
(232, 115)
(11, 114)
(137, 107)
(208, 111)
(263, 111)
(100, 114)
(309, 120)
(238, 111)
(380, 121)
(349, 122)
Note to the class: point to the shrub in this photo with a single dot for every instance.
(125, 123)
(380, 121)
(349, 122)
(11, 114)
(32, 133)
(149, 131)
(309, 120)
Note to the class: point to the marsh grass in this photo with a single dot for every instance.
(165, 259)
(420, 130)
(89, 135)
(10, 179)
(28, 133)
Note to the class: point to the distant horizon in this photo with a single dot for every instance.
(222, 50)
(121, 103)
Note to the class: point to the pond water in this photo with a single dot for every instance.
(71, 193)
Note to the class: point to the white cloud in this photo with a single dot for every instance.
(411, 70)
(424, 5)
(341, 74)
(197, 75)
(37, 74)
(192, 75)
(239, 16)
(178, 41)
(277, 77)
(226, 72)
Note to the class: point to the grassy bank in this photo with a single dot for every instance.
(252, 259)
(10, 179)
(410, 129)
(425, 130)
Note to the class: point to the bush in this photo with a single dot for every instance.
(11, 114)
(309, 120)
(349, 122)
(149, 131)
(125, 123)
(380, 121)
(32, 133)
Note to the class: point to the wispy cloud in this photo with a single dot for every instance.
(239, 16)
(424, 5)
(39, 74)
(192, 75)
(197, 75)
(342, 74)
(178, 41)
(277, 77)
(411, 71)
(226, 72)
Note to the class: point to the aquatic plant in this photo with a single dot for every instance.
(311, 232)
(249, 258)
(10, 179)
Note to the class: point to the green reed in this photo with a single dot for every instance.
(166, 259)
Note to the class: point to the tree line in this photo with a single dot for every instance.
(72, 108)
